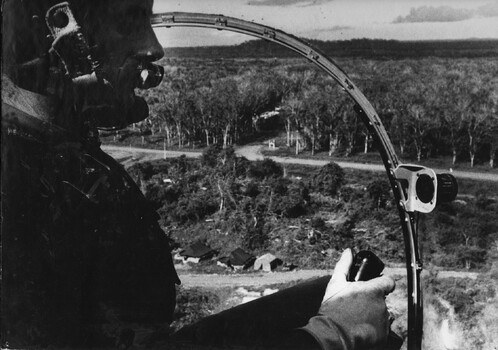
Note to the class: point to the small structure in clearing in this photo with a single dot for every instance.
(197, 252)
(267, 262)
(238, 260)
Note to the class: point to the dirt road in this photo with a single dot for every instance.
(131, 155)
(266, 279)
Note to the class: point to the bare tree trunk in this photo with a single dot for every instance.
(418, 147)
(225, 136)
(471, 149)
(222, 197)
(164, 148)
(207, 137)
(349, 148)
(168, 135)
(492, 152)
(333, 143)
(313, 145)
(471, 152)
(467, 260)
(288, 130)
(179, 133)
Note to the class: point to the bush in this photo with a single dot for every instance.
(225, 161)
(142, 171)
(194, 207)
(252, 189)
(264, 169)
(210, 156)
(317, 222)
(329, 179)
(291, 203)
(161, 194)
(379, 192)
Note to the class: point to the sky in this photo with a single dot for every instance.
(339, 19)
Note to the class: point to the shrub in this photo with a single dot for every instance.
(317, 222)
(266, 168)
(210, 155)
(329, 179)
(252, 189)
(194, 207)
(379, 192)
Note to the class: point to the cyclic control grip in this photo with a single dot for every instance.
(367, 265)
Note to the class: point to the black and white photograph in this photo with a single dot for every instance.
(249, 174)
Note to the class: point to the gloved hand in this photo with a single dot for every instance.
(353, 315)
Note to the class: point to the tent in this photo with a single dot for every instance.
(237, 259)
(240, 259)
(197, 252)
(267, 262)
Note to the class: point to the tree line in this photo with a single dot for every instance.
(366, 48)
(430, 107)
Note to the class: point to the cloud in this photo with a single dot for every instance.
(447, 14)
(333, 29)
(435, 14)
(286, 2)
(327, 33)
(340, 28)
(488, 10)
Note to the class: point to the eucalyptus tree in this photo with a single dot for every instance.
(493, 137)
(395, 105)
(291, 103)
(180, 106)
(291, 107)
(225, 106)
(165, 107)
(315, 111)
(341, 123)
(492, 121)
(419, 97)
(203, 101)
(481, 116)
(452, 106)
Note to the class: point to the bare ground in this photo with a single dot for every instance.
(261, 279)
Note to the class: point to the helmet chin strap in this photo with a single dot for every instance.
(87, 74)
(71, 46)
